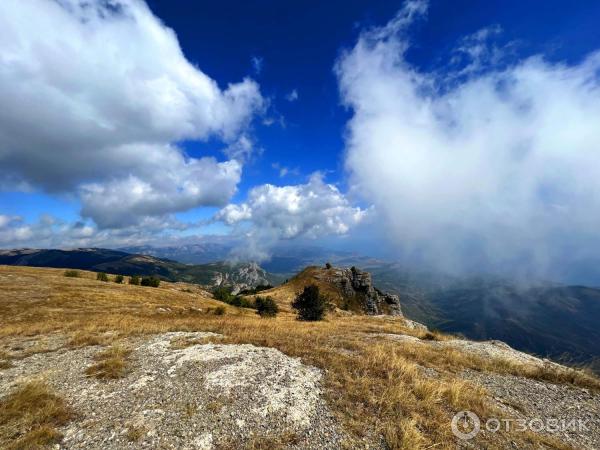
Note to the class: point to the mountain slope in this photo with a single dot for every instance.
(559, 321)
(238, 276)
(550, 320)
(348, 289)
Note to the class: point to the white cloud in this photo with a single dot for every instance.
(273, 213)
(500, 166)
(95, 93)
(292, 96)
(257, 64)
(179, 187)
(51, 232)
(285, 171)
(5, 220)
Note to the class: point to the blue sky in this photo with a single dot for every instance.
(144, 122)
(299, 41)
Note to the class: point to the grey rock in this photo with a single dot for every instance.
(240, 277)
(356, 284)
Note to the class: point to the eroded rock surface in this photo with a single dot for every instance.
(568, 413)
(203, 396)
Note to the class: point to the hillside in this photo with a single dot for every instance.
(346, 289)
(92, 364)
(238, 276)
(550, 320)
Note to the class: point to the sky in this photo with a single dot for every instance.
(462, 134)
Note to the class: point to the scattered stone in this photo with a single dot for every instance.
(557, 410)
(200, 396)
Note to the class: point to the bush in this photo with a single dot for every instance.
(134, 280)
(119, 279)
(257, 289)
(72, 273)
(310, 304)
(102, 276)
(240, 302)
(223, 294)
(266, 307)
(150, 281)
(328, 265)
(219, 311)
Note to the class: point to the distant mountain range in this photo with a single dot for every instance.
(286, 260)
(238, 276)
(200, 253)
(546, 319)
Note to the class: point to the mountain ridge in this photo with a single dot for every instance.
(237, 276)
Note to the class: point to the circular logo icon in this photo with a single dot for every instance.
(465, 425)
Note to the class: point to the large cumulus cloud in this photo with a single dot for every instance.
(488, 163)
(94, 96)
(274, 213)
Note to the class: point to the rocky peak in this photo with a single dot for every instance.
(356, 286)
(241, 276)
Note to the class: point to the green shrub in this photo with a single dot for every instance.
(328, 265)
(310, 304)
(134, 279)
(72, 273)
(223, 294)
(266, 307)
(240, 302)
(150, 281)
(101, 276)
(119, 279)
(257, 289)
(219, 311)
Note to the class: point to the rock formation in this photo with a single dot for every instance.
(241, 276)
(356, 286)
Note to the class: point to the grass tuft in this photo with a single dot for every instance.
(29, 416)
(86, 338)
(111, 363)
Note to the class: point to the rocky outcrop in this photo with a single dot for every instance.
(240, 276)
(356, 286)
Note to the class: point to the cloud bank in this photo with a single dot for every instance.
(95, 95)
(274, 213)
(483, 165)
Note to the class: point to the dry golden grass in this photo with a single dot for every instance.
(87, 338)
(376, 387)
(111, 363)
(452, 360)
(183, 342)
(262, 443)
(5, 362)
(29, 417)
(189, 409)
(135, 433)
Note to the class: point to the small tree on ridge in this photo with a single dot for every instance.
(310, 304)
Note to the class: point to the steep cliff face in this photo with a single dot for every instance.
(240, 277)
(357, 291)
